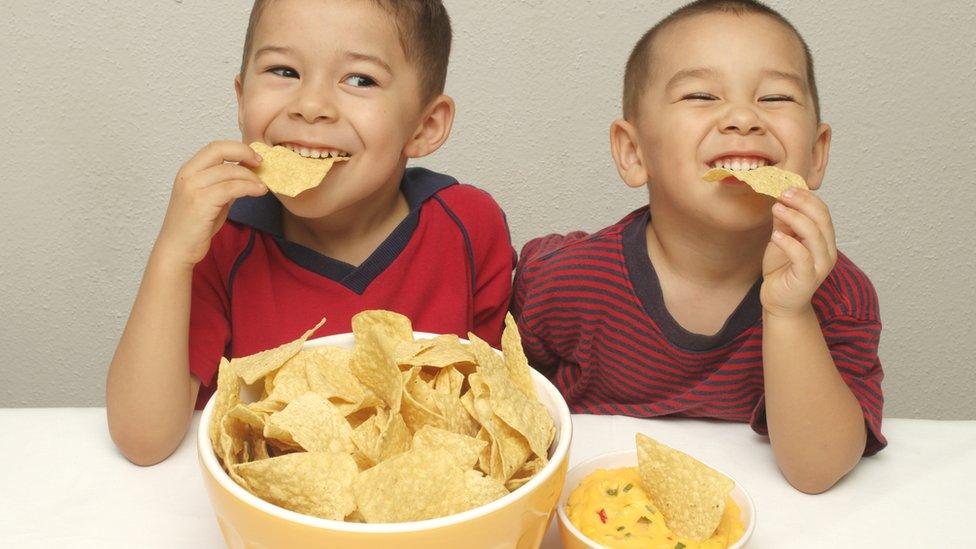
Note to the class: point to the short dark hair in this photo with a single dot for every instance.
(639, 64)
(425, 36)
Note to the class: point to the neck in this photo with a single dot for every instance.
(705, 256)
(353, 233)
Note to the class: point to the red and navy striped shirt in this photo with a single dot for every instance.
(592, 318)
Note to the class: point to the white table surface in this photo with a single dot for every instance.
(63, 484)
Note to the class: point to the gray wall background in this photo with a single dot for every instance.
(102, 102)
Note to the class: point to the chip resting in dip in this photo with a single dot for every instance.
(670, 500)
(395, 429)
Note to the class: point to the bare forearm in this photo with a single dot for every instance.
(816, 426)
(149, 388)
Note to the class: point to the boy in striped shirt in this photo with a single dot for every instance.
(715, 301)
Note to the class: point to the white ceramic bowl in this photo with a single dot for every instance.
(519, 519)
(572, 538)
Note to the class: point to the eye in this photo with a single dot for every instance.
(771, 98)
(285, 72)
(699, 96)
(360, 81)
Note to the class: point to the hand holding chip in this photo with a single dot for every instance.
(203, 191)
(801, 253)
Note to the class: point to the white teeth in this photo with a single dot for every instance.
(316, 153)
(740, 163)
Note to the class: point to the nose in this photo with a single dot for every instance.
(314, 102)
(741, 119)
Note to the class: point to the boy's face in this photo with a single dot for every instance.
(330, 75)
(726, 90)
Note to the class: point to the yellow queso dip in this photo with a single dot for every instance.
(612, 508)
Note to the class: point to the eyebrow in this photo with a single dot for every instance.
(783, 75)
(360, 56)
(686, 74)
(707, 72)
(353, 55)
(271, 49)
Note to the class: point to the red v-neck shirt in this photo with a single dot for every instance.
(447, 266)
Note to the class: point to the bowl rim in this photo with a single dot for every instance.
(564, 435)
(564, 521)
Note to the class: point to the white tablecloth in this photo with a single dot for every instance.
(63, 484)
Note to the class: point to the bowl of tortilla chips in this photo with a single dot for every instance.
(384, 438)
(654, 496)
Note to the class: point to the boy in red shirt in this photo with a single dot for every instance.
(716, 301)
(236, 270)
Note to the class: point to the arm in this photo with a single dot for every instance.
(494, 261)
(536, 350)
(816, 425)
(149, 391)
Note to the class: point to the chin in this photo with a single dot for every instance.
(743, 216)
(311, 204)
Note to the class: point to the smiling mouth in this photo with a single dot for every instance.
(740, 163)
(309, 152)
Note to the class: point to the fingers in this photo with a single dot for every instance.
(801, 260)
(228, 191)
(219, 152)
(222, 172)
(810, 205)
(809, 233)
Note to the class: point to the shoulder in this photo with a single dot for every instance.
(230, 241)
(554, 249)
(847, 292)
(474, 211)
(469, 203)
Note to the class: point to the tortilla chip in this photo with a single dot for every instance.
(228, 395)
(515, 360)
(415, 485)
(690, 495)
(254, 367)
(526, 415)
(768, 180)
(290, 380)
(313, 423)
(313, 483)
(464, 449)
(286, 172)
(378, 333)
(480, 489)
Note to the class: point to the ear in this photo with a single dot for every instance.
(625, 147)
(821, 151)
(238, 91)
(433, 129)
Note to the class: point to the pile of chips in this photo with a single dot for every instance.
(393, 430)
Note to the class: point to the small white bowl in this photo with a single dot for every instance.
(572, 538)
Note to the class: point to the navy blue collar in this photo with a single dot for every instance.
(263, 213)
(647, 286)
